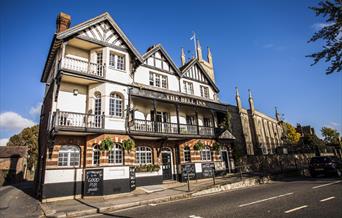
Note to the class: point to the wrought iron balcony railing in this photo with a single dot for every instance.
(148, 126)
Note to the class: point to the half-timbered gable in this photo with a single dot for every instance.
(195, 73)
(158, 70)
(196, 81)
(157, 58)
(103, 32)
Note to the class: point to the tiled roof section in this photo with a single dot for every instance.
(13, 151)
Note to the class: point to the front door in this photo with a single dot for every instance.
(167, 170)
(225, 159)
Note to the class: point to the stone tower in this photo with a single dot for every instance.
(207, 65)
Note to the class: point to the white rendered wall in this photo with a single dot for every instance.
(69, 102)
(142, 76)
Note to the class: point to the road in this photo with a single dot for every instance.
(321, 197)
(17, 202)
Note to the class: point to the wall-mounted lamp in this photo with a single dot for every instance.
(75, 91)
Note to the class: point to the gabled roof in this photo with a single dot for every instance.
(160, 48)
(226, 135)
(194, 61)
(96, 20)
(61, 36)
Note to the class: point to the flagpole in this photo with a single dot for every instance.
(194, 38)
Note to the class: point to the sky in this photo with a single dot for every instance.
(258, 45)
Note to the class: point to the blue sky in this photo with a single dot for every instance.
(259, 45)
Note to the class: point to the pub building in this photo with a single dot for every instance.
(114, 119)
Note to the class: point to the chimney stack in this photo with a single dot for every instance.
(63, 22)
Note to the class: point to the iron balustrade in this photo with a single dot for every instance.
(206, 130)
(187, 129)
(140, 125)
(78, 120)
(85, 67)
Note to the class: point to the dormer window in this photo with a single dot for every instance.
(204, 92)
(117, 61)
(158, 80)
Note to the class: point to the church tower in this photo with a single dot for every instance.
(207, 65)
(251, 101)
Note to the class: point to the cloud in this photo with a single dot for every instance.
(3, 141)
(11, 121)
(274, 47)
(333, 125)
(34, 111)
(319, 26)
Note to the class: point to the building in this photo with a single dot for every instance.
(13, 164)
(98, 86)
(256, 132)
(100, 89)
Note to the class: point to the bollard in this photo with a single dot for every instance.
(188, 180)
(213, 171)
(240, 173)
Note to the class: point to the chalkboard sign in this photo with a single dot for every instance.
(188, 169)
(94, 182)
(132, 179)
(208, 169)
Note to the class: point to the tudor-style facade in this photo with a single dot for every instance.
(98, 86)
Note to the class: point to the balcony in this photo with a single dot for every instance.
(64, 119)
(83, 67)
(146, 126)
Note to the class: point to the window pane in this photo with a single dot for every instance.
(120, 62)
(157, 77)
(112, 60)
(151, 79)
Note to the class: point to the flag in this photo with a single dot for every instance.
(193, 36)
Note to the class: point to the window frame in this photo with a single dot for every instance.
(113, 154)
(145, 150)
(205, 153)
(187, 154)
(188, 87)
(115, 62)
(69, 150)
(97, 150)
(158, 80)
(116, 100)
(204, 92)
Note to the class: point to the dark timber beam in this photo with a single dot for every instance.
(177, 112)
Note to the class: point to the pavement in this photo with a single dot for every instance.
(16, 201)
(148, 195)
(296, 197)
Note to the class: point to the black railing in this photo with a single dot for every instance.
(139, 125)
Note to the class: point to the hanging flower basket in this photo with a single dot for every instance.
(106, 144)
(128, 145)
(199, 145)
(217, 146)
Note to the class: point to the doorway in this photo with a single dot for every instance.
(167, 163)
(225, 159)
